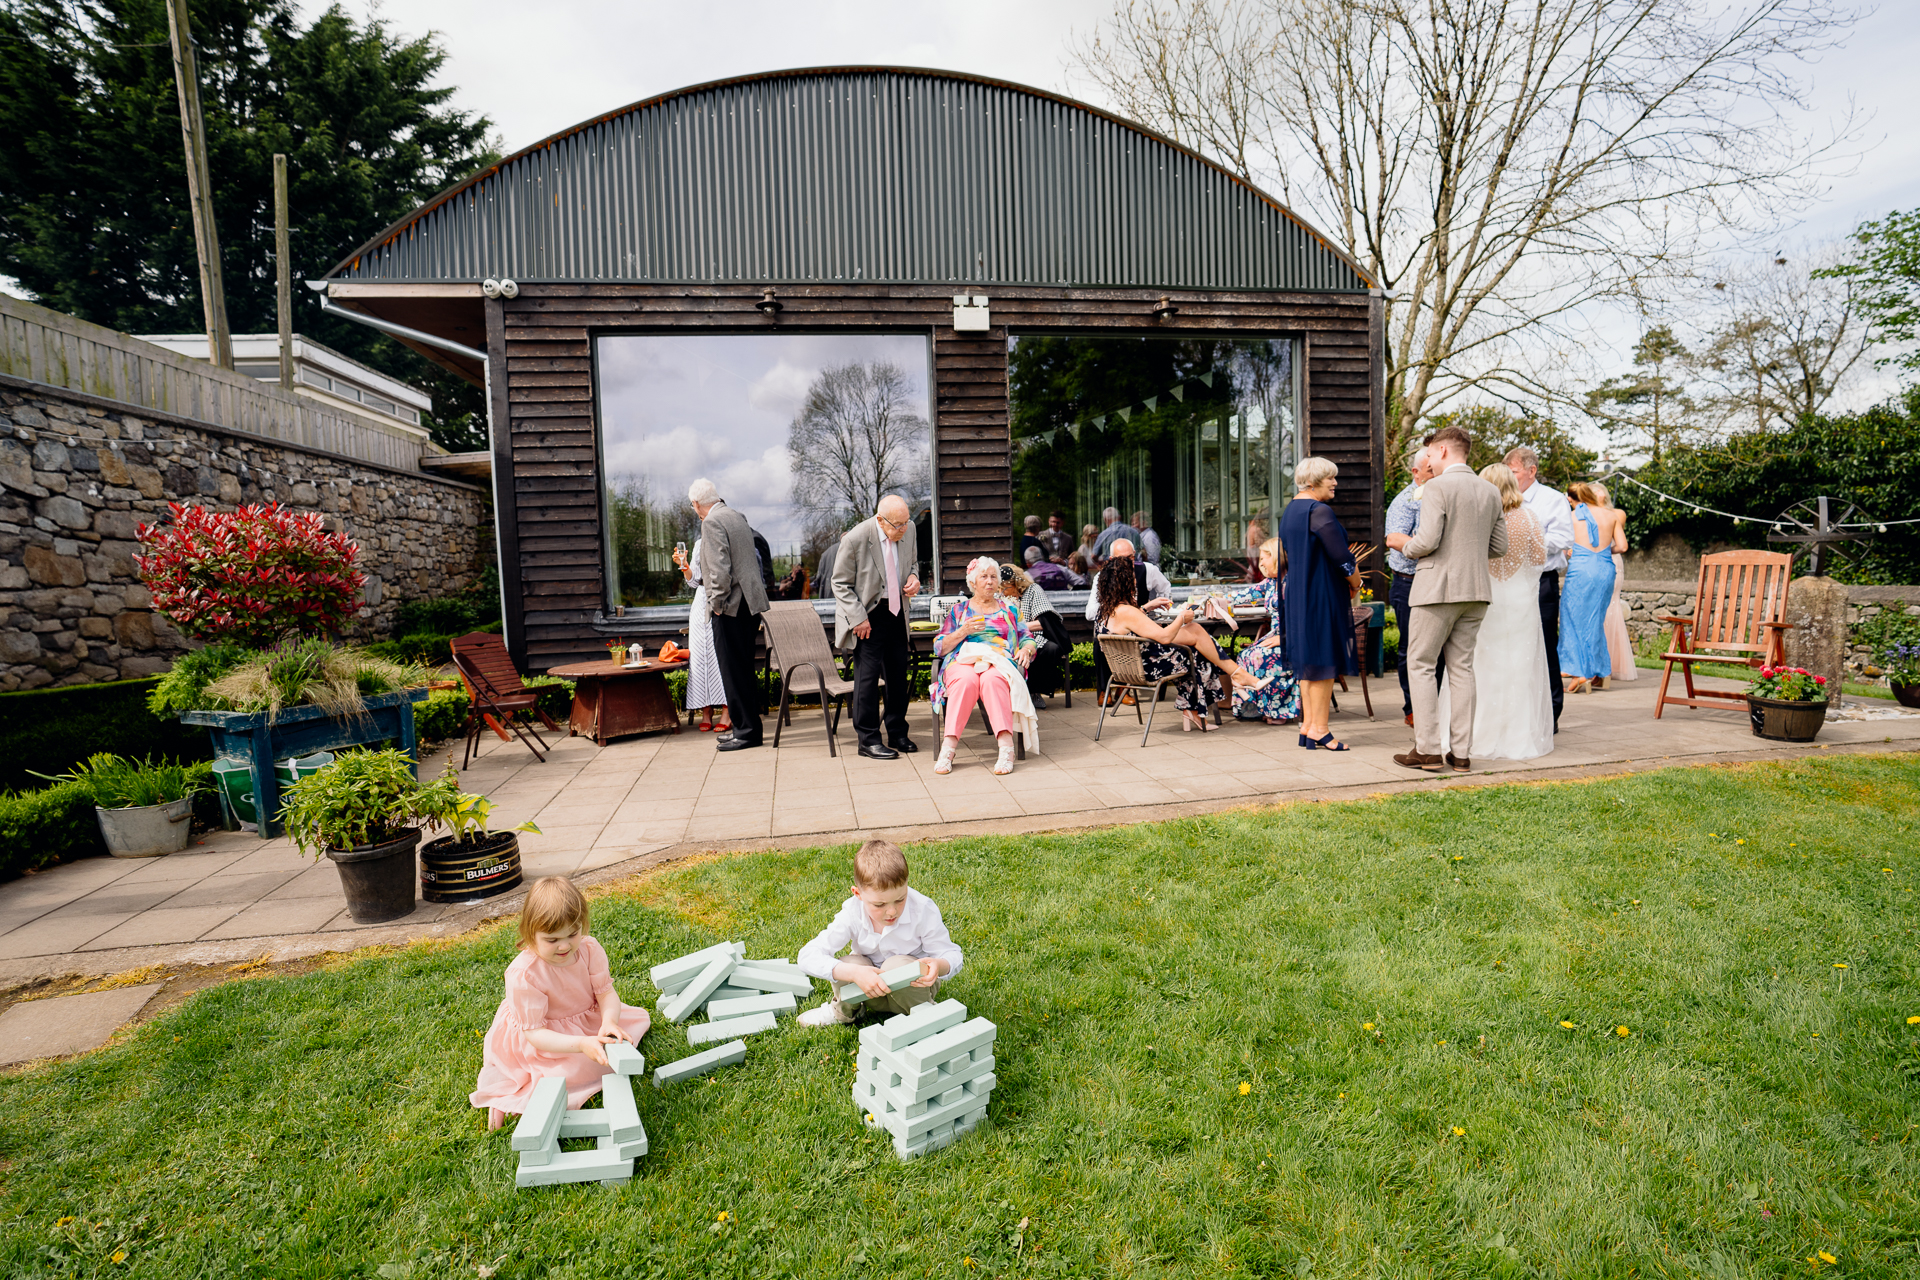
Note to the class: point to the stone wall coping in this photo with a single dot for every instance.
(1855, 595)
(28, 387)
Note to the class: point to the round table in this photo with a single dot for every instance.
(613, 699)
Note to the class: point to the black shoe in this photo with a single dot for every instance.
(1039, 702)
(905, 746)
(876, 751)
(737, 744)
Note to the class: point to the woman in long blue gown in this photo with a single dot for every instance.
(1584, 597)
(1319, 606)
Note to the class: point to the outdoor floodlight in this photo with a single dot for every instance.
(970, 313)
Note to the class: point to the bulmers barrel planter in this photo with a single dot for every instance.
(454, 870)
(378, 878)
(1786, 721)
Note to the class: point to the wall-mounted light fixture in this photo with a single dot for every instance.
(1165, 310)
(970, 313)
(499, 288)
(769, 304)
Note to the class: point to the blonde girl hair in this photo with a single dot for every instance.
(1601, 498)
(1500, 476)
(1279, 556)
(554, 905)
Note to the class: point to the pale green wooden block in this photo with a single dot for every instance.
(699, 1064)
(631, 1149)
(849, 993)
(729, 1028)
(934, 1117)
(623, 1115)
(913, 1101)
(922, 1022)
(675, 974)
(901, 1076)
(575, 1166)
(772, 1002)
(625, 1059)
(679, 1007)
(586, 1124)
(539, 1126)
(544, 1156)
(762, 977)
(948, 1044)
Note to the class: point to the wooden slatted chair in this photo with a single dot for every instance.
(797, 648)
(1739, 612)
(496, 695)
(1125, 673)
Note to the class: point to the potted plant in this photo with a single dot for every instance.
(144, 809)
(1899, 661)
(1787, 704)
(360, 811)
(472, 864)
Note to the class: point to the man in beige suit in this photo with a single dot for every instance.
(1461, 529)
(873, 580)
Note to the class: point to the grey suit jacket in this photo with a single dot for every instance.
(860, 575)
(728, 566)
(1460, 530)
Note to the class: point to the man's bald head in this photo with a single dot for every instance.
(1121, 547)
(894, 516)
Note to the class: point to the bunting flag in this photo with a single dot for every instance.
(1126, 415)
(1178, 393)
(1152, 403)
(1207, 378)
(1100, 421)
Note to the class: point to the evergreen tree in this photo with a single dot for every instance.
(95, 220)
(1649, 409)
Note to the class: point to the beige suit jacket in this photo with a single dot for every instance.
(860, 575)
(1460, 530)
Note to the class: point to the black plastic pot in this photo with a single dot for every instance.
(1786, 721)
(378, 878)
(471, 870)
(1907, 695)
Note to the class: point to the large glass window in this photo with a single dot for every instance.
(802, 433)
(1195, 436)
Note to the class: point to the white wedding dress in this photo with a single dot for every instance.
(1513, 700)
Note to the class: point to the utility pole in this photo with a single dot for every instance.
(283, 270)
(186, 77)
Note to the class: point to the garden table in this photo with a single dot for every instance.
(613, 699)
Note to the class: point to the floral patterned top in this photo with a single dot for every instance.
(1004, 634)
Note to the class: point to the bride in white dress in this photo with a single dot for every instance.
(1513, 704)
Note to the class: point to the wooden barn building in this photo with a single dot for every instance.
(1077, 313)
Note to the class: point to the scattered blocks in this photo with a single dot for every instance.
(681, 1005)
(730, 1028)
(699, 1064)
(619, 1136)
(850, 994)
(624, 1059)
(773, 1002)
(925, 1077)
(673, 975)
(765, 975)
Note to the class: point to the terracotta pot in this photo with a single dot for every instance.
(1907, 695)
(470, 871)
(1786, 721)
(378, 878)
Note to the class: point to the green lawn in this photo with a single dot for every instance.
(1760, 1108)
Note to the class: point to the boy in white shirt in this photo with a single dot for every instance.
(887, 925)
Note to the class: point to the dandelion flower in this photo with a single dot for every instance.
(1816, 1035)
(1442, 1043)
(1827, 1258)
(69, 1218)
(119, 1255)
(722, 1217)
(1739, 841)
(1343, 1095)
(1910, 1022)
(1458, 1132)
(1459, 857)
(1245, 1088)
(1366, 1026)
(1621, 1031)
(1713, 835)
(1567, 1025)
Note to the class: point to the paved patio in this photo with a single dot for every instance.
(606, 813)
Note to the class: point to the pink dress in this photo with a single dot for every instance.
(566, 1000)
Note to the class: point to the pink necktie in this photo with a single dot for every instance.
(893, 572)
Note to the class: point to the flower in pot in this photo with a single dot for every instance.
(1899, 661)
(144, 809)
(472, 863)
(1787, 704)
(361, 812)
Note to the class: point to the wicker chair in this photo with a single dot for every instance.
(1125, 674)
(797, 647)
(497, 696)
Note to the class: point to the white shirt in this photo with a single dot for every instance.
(919, 932)
(1549, 507)
(1158, 588)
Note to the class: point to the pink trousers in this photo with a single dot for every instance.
(965, 686)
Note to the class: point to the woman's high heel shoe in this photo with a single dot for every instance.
(1189, 721)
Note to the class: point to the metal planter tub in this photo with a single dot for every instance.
(146, 831)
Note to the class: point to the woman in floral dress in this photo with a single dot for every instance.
(1279, 701)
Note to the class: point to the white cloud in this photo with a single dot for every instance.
(781, 389)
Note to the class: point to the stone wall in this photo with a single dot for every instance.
(1647, 601)
(79, 474)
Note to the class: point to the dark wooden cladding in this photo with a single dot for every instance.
(541, 344)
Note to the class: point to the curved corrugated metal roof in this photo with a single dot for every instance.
(882, 174)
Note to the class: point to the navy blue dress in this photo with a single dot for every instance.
(1319, 606)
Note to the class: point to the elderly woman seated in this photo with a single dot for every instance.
(983, 650)
(1169, 649)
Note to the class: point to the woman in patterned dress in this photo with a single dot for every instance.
(1170, 650)
(1279, 701)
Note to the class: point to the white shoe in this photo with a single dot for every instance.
(944, 764)
(1004, 764)
(829, 1014)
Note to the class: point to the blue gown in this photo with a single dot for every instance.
(1583, 606)
(1319, 608)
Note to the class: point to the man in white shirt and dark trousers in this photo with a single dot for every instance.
(887, 926)
(871, 587)
(1549, 507)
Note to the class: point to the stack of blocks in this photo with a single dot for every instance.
(620, 1136)
(741, 997)
(925, 1076)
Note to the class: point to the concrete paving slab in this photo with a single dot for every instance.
(279, 916)
(163, 924)
(236, 889)
(63, 1025)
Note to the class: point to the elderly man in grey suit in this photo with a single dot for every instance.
(1461, 529)
(872, 583)
(730, 570)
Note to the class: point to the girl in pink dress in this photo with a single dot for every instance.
(560, 1008)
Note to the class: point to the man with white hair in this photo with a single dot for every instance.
(1549, 507)
(1149, 541)
(1115, 530)
(872, 584)
(730, 571)
(1403, 519)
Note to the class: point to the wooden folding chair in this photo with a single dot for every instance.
(496, 695)
(1739, 619)
(796, 646)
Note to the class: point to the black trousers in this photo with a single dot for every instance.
(1550, 632)
(881, 656)
(1400, 600)
(1048, 673)
(734, 635)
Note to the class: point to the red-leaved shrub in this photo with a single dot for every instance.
(251, 576)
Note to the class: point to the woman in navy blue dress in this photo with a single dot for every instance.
(1319, 605)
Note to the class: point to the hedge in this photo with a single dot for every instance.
(40, 828)
(51, 730)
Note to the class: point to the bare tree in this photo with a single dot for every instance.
(856, 439)
(1496, 166)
